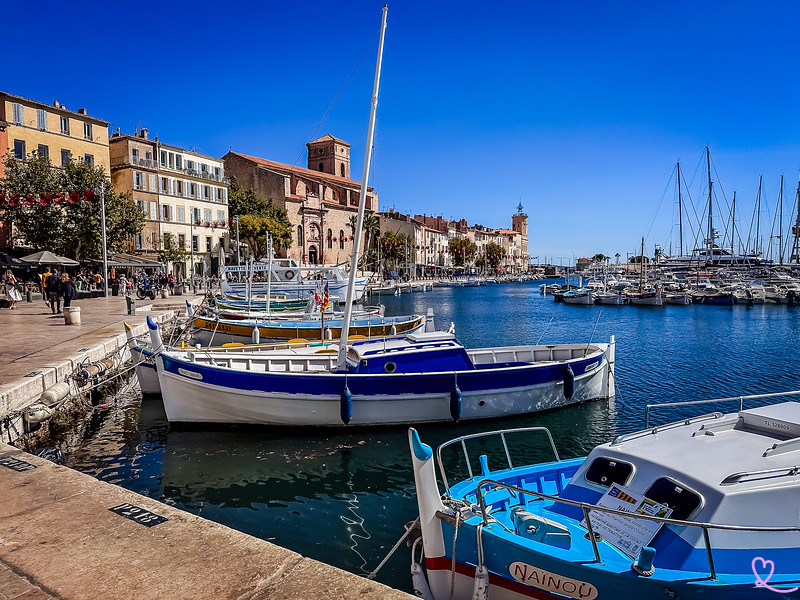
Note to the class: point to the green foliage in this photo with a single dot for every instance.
(599, 258)
(462, 250)
(73, 230)
(638, 259)
(371, 228)
(495, 253)
(397, 248)
(171, 250)
(265, 217)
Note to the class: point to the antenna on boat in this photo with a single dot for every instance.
(362, 202)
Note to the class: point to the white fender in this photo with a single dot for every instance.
(129, 335)
(418, 579)
(480, 591)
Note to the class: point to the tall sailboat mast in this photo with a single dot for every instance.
(362, 202)
(680, 211)
(780, 224)
(710, 241)
(758, 216)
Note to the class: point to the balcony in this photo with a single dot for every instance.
(134, 161)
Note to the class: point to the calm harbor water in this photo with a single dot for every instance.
(343, 496)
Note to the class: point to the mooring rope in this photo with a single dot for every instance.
(394, 549)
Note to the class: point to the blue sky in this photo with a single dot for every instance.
(579, 110)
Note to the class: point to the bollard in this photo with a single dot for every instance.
(29, 296)
(72, 315)
(131, 305)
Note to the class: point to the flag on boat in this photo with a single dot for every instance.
(325, 299)
(318, 293)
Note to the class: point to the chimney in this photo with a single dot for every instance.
(81, 111)
(57, 104)
(144, 133)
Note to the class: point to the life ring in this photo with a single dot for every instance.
(289, 274)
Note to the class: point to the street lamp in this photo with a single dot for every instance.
(238, 253)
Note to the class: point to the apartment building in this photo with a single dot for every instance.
(183, 194)
(52, 130)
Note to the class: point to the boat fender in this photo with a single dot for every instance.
(55, 393)
(644, 564)
(418, 579)
(290, 274)
(455, 403)
(190, 308)
(569, 383)
(346, 405)
(255, 336)
(480, 590)
(37, 413)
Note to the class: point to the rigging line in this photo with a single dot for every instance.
(344, 85)
(660, 202)
(695, 234)
(548, 324)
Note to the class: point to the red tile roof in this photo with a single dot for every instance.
(281, 167)
(329, 138)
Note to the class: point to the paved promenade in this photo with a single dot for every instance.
(60, 539)
(38, 349)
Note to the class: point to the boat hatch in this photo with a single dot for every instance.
(605, 471)
(778, 419)
(681, 500)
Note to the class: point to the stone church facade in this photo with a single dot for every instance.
(320, 199)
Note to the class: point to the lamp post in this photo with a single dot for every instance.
(191, 268)
(105, 252)
(238, 252)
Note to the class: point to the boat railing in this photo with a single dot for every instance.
(739, 399)
(652, 431)
(586, 508)
(501, 434)
(779, 472)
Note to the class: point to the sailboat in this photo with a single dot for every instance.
(645, 297)
(423, 377)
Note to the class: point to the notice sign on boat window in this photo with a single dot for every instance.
(627, 533)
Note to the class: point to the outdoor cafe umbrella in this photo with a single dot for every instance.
(45, 257)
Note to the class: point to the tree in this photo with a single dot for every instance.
(599, 258)
(71, 225)
(274, 219)
(462, 250)
(371, 228)
(396, 248)
(171, 251)
(495, 253)
(635, 260)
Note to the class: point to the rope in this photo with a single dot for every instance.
(393, 550)
(453, 562)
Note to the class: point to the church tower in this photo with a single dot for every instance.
(329, 155)
(519, 222)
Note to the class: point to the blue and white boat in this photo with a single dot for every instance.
(422, 377)
(702, 508)
(579, 296)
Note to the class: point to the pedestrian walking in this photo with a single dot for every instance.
(171, 281)
(53, 286)
(68, 290)
(12, 293)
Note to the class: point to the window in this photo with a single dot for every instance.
(19, 149)
(153, 214)
(341, 240)
(682, 501)
(179, 187)
(204, 168)
(206, 192)
(135, 154)
(604, 471)
(89, 158)
(65, 125)
(87, 131)
(207, 215)
(66, 155)
(142, 206)
(171, 160)
(41, 119)
(165, 212)
(190, 165)
(321, 167)
(221, 216)
(148, 155)
(167, 240)
(181, 240)
(178, 161)
(137, 180)
(216, 173)
(163, 159)
(137, 241)
(218, 193)
(181, 215)
(194, 243)
(208, 243)
(299, 235)
(19, 117)
(330, 238)
(192, 190)
(164, 185)
(152, 182)
(43, 150)
(341, 169)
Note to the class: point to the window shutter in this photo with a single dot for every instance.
(170, 213)
(152, 182)
(153, 212)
